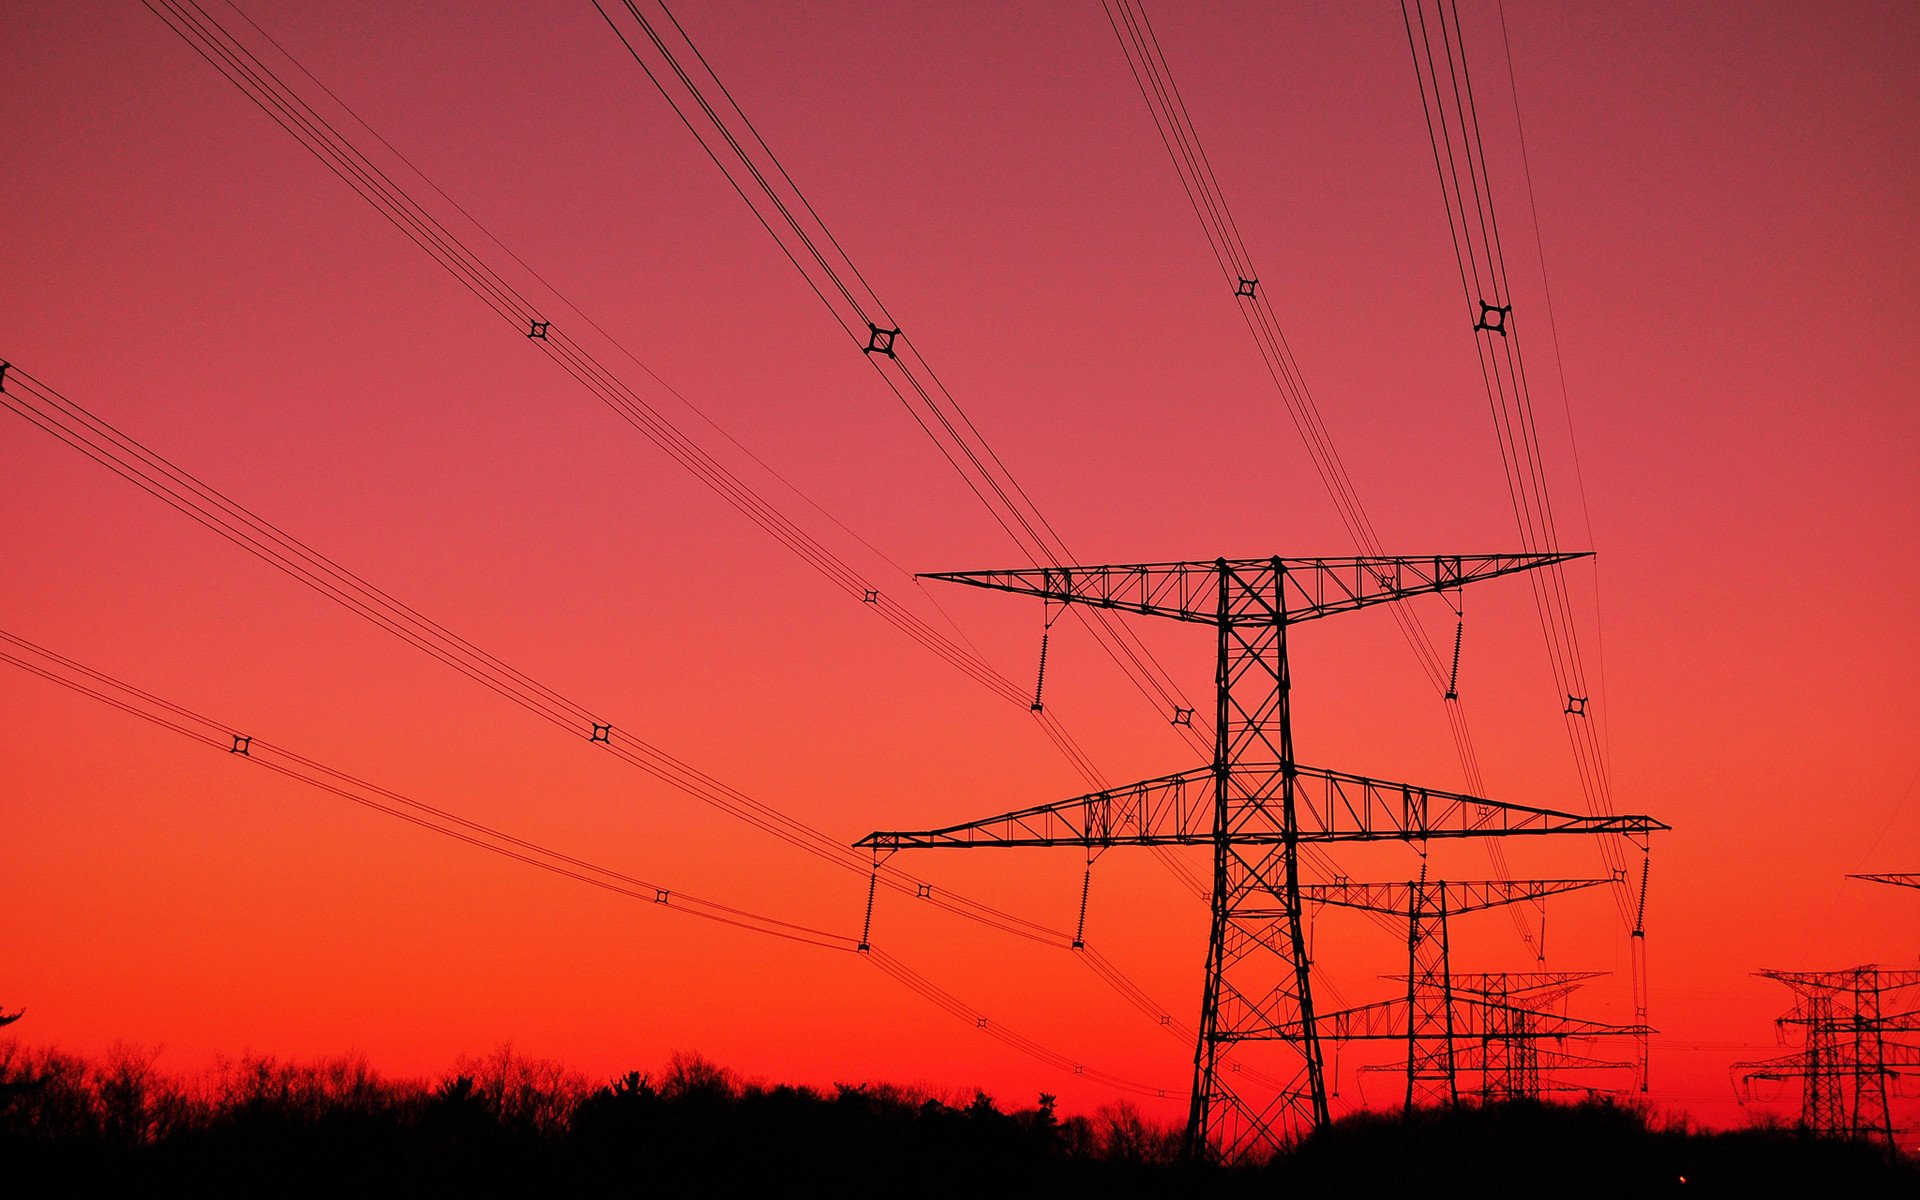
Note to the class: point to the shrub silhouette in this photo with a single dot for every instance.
(509, 1121)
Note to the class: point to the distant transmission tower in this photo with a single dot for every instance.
(1255, 804)
(1848, 1057)
(1498, 1039)
(1432, 1038)
(1514, 1012)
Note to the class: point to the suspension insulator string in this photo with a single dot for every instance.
(1416, 909)
(1640, 913)
(1638, 959)
(866, 926)
(1046, 631)
(1041, 681)
(1080, 930)
(1459, 607)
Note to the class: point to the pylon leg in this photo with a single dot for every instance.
(1249, 996)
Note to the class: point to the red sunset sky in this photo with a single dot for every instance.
(1727, 196)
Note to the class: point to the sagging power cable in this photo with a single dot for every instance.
(177, 718)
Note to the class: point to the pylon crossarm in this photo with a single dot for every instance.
(1171, 810)
(1386, 1020)
(1457, 896)
(1520, 1022)
(1471, 1057)
(1534, 996)
(1564, 1087)
(1825, 1018)
(1309, 587)
(1380, 1021)
(1896, 880)
(1841, 1058)
(1515, 985)
(1786, 1066)
(1899, 1022)
(1882, 978)
(1899, 1056)
(1534, 1000)
(1333, 806)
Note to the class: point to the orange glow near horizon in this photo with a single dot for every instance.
(1727, 203)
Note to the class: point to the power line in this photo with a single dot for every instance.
(67, 421)
(1459, 155)
(1146, 60)
(323, 138)
(941, 998)
(1559, 366)
(40, 405)
(733, 143)
(702, 102)
(221, 736)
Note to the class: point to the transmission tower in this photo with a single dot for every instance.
(1508, 1057)
(1847, 1057)
(1499, 1024)
(1426, 904)
(1255, 805)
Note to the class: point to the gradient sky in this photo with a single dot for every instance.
(1727, 198)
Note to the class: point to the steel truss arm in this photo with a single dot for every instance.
(1518, 986)
(1814, 1016)
(1332, 806)
(1536, 997)
(1454, 896)
(1309, 587)
(1386, 1020)
(1844, 1059)
(1472, 1057)
(1897, 880)
(1852, 978)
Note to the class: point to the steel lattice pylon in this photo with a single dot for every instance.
(1498, 1022)
(1848, 1056)
(1255, 805)
(1432, 1039)
(1512, 1013)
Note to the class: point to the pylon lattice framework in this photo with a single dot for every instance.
(1255, 805)
(1512, 1015)
(1433, 1042)
(1847, 1057)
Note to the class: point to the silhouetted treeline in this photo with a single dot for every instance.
(1597, 1148)
(508, 1121)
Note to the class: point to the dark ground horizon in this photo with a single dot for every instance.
(695, 1128)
